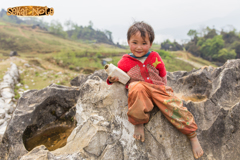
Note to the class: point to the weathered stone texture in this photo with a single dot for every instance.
(104, 133)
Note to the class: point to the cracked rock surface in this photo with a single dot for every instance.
(103, 132)
(41, 117)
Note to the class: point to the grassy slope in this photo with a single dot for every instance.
(190, 57)
(48, 55)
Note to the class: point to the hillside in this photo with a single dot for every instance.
(45, 58)
(29, 43)
(39, 52)
(74, 31)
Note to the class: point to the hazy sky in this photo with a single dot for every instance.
(117, 16)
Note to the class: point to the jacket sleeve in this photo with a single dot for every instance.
(162, 70)
(108, 82)
(123, 65)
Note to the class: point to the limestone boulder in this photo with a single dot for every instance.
(43, 117)
(81, 79)
(102, 130)
(13, 53)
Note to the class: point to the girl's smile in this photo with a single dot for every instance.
(139, 46)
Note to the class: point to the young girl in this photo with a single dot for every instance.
(147, 86)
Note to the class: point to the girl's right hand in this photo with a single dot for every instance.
(113, 79)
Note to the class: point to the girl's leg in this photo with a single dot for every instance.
(172, 108)
(139, 104)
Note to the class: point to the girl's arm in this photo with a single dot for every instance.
(162, 70)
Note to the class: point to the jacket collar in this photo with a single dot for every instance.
(146, 55)
(128, 56)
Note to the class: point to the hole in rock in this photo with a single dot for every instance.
(53, 136)
(194, 98)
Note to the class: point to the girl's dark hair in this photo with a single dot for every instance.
(143, 28)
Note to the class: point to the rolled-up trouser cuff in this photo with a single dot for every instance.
(192, 135)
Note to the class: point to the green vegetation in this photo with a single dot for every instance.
(57, 57)
(155, 46)
(171, 46)
(77, 32)
(74, 31)
(2, 24)
(189, 56)
(17, 95)
(63, 52)
(172, 64)
(89, 58)
(213, 45)
(36, 74)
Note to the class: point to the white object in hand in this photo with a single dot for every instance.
(114, 71)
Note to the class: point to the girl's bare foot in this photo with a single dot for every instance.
(139, 132)
(196, 147)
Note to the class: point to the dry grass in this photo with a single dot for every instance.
(190, 57)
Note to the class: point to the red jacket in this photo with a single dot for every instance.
(151, 71)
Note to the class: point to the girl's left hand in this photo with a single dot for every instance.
(113, 79)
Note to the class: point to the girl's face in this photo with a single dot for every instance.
(138, 46)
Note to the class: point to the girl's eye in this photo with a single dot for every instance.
(134, 43)
(144, 43)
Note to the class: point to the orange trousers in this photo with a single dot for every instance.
(141, 97)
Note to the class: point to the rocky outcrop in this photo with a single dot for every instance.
(43, 117)
(81, 79)
(103, 131)
(7, 104)
(13, 53)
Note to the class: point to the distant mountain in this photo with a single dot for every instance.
(86, 33)
(226, 23)
(12, 19)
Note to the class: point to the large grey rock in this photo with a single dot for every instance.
(81, 79)
(13, 53)
(103, 131)
(2, 103)
(40, 115)
(212, 95)
(2, 113)
(97, 143)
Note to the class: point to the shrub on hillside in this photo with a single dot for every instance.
(224, 54)
(171, 46)
(214, 45)
(164, 54)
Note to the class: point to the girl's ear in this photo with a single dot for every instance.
(128, 42)
(150, 44)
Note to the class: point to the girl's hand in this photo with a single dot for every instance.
(113, 79)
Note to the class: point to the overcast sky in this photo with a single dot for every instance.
(117, 16)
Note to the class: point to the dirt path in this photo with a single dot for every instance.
(195, 64)
(34, 30)
(20, 30)
(39, 41)
(49, 66)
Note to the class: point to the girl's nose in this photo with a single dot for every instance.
(139, 46)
